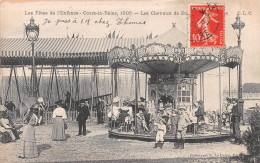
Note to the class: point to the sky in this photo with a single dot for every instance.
(14, 16)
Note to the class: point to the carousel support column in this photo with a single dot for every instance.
(57, 84)
(9, 82)
(92, 94)
(229, 82)
(146, 92)
(25, 79)
(202, 86)
(156, 96)
(116, 89)
(136, 94)
(179, 77)
(38, 84)
(220, 104)
(112, 93)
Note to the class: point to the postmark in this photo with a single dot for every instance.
(207, 25)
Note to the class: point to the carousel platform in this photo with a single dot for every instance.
(190, 138)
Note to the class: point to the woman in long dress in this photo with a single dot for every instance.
(28, 138)
(58, 130)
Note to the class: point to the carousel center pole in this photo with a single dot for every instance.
(112, 87)
(179, 76)
(136, 93)
(220, 104)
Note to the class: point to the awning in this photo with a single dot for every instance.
(62, 51)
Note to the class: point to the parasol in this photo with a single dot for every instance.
(3, 108)
(26, 104)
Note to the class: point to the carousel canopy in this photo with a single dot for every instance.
(164, 53)
(61, 51)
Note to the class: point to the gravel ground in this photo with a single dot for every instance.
(97, 147)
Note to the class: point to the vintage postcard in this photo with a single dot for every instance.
(129, 81)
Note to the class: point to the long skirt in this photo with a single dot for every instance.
(29, 142)
(5, 137)
(58, 130)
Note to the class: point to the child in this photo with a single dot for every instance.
(159, 140)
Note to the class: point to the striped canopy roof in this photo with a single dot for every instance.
(62, 51)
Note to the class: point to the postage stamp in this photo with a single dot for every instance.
(207, 25)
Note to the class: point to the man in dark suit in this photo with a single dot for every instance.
(83, 116)
(100, 110)
(235, 119)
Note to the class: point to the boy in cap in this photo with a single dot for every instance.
(183, 122)
(159, 139)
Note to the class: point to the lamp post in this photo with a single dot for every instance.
(238, 25)
(32, 33)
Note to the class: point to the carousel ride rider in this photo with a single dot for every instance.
(114, 114)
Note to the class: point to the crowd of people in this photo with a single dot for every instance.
(174, 121)
(123, 118)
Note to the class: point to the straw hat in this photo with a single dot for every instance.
(116, 99)
(182, 108)
(40, 100)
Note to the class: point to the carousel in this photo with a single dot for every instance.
(173, 69)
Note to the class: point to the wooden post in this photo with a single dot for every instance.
(25, 80)
(17, 85)
(78, 85)
(72, 86)
(9, 82)
(38, 83)
(57, 84)
(69, 84)
(50, 91)
(96, 75)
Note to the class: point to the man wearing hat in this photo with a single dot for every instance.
(235, 119)
(83, 116)
(183, 122)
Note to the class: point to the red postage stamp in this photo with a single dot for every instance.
(207, 25)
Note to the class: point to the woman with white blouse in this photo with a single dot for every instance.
(59, 116)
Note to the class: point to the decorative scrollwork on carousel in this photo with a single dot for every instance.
(234, 54)
(118, 54)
